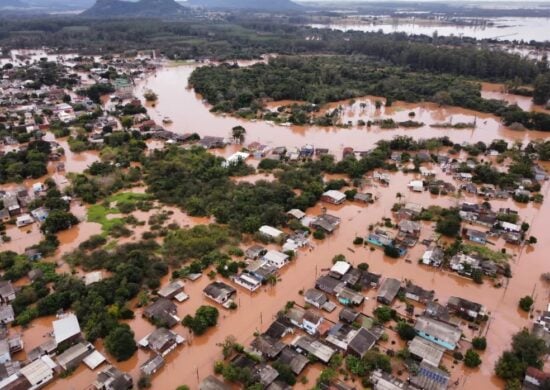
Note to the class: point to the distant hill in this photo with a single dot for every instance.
(261, 5)
(141, 8)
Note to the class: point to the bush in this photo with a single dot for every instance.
(526, 303)
(405, 331)
(391, 251)
(479, 343)
(358, 240)
(384, 313)
(457, 355)
(319, 235)
(471, 359)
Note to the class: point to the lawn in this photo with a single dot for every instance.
(486, 253)
(99, 213)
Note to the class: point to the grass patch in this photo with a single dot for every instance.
(486, 253)
(99, 213)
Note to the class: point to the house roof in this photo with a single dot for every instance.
(389, 289)
(218, 289)
(297, 362)
(338, 196)
(430, 378)
(39, 370)
(341, 267)
(321, 351)
(94, 360)
(275, 256)
(6, 288)
(362, 342)
(74, 354)
(265, 374)
(152, 365)
(6, 313)
(313, 317)
(277, 329)
(114, 379)
(443, 331)
(65, 328)
(348, 315)
(160, 337)
(426, 350)
(315, 295)
(327, 284)
(464, 304)
(270, 231)
(267, 346)
(171, 289)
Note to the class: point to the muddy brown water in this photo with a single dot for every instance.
(190, 114)
(192, 362)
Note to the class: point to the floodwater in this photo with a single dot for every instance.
(191, 115)
(497, 91)
(508, 28)
(192, 362)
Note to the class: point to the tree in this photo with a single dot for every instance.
(384, 313)
(405, 331)
(58, 220)
(479, 343)
(525, 303)
(471, 359)
(150, 96)
(527, 351)
(238, 133)
(120, 343)
(443, 98)
(391, 251)
(541, 91)
(477, 276)
(205, 317)
(448, 224)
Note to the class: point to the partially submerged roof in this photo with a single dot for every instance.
(213, 383)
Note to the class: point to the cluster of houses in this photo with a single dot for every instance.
(64, 350)
(302, 332)
(16, 205)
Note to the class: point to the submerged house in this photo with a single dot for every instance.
(162, 311)
(441, 333)
(333, 197)
(380, 238)
(388, 291)
(162, 341)
(219, 292)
